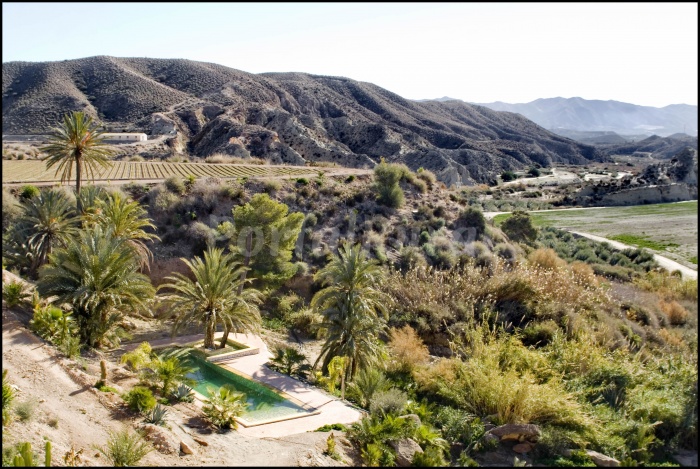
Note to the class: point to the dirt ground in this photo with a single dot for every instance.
(72, 414)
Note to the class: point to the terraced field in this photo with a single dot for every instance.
(34, 171)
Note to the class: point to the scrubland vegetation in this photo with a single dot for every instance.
(421, 307)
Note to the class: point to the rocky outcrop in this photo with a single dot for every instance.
(516, 432)
(405, 449)
(599, 459)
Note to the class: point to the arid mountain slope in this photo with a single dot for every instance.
(286, 117)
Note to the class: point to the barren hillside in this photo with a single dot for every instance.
(285, 117)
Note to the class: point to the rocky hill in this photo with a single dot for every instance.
(285, 117)
(655, 146)
(559, 114)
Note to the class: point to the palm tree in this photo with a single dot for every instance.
(48, 221)
(76, 142)
(127, 219)
(213, 297)
(223, 406)
(97, 274)
(350, 304)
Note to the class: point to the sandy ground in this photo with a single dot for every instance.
(71, 413)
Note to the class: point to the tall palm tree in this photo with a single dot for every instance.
(76, 142)
(97, 274)
(350, 304)
(213, 297)
(47, 221)
(127, 219)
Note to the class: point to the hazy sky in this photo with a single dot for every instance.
(640, 53)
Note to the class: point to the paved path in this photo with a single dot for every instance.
(332, 409)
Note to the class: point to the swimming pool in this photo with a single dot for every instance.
(265, 405)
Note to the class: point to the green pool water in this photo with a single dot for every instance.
(263, 403)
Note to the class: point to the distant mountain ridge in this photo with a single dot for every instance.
(293, 118)
(611, 116)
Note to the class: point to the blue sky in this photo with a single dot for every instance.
(641, 53)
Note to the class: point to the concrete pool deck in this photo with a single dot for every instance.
(331, 409)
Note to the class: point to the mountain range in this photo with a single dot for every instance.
(293, 118)
(577, 114)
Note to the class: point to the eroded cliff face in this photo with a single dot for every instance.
(292, 118)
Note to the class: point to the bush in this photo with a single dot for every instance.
(139, 357)
(175, 185)
(391, 401)
(508, 176)
(539, 334)
(125, 448)
(223, 406)
(677, 314)
(472, 222)
(8, 395)
(546, 258)
(407, 349)
(386, 184)
(28, 191)
(201, 237)
(518, 227)
(25, 410)
(14, 293)
(410, 257)
(140, 399)
(271, 185)
(427, 176)
(302, 181)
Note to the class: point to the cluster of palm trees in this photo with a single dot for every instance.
(92, 258)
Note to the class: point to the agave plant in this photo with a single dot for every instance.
(183, 393)
(157, 415)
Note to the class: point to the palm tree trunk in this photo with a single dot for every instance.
(78, 168)
(209, 335)
(248, 247)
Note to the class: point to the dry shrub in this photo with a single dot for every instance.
(546, 258)
(583, 273)
(222, 158)
(669, 286)
(407, 348)
(672, 338)
(677, 314)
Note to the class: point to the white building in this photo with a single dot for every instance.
(124, 137)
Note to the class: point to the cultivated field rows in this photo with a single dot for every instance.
(34, 171)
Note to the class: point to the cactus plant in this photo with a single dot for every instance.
(47, 456)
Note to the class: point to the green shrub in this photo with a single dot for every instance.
(25, 410)
(518, 227)
(139, 357)
(223, 406)
(386, 184)
(539, 334)
(28, 191)
(125, 448)
(332, 426)
(302, 181)
(471, 218)
(8, 396)
(350, 178)
(387, 402)
(175, 185)
(140, 399)
(14, 293)
(508, 176)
